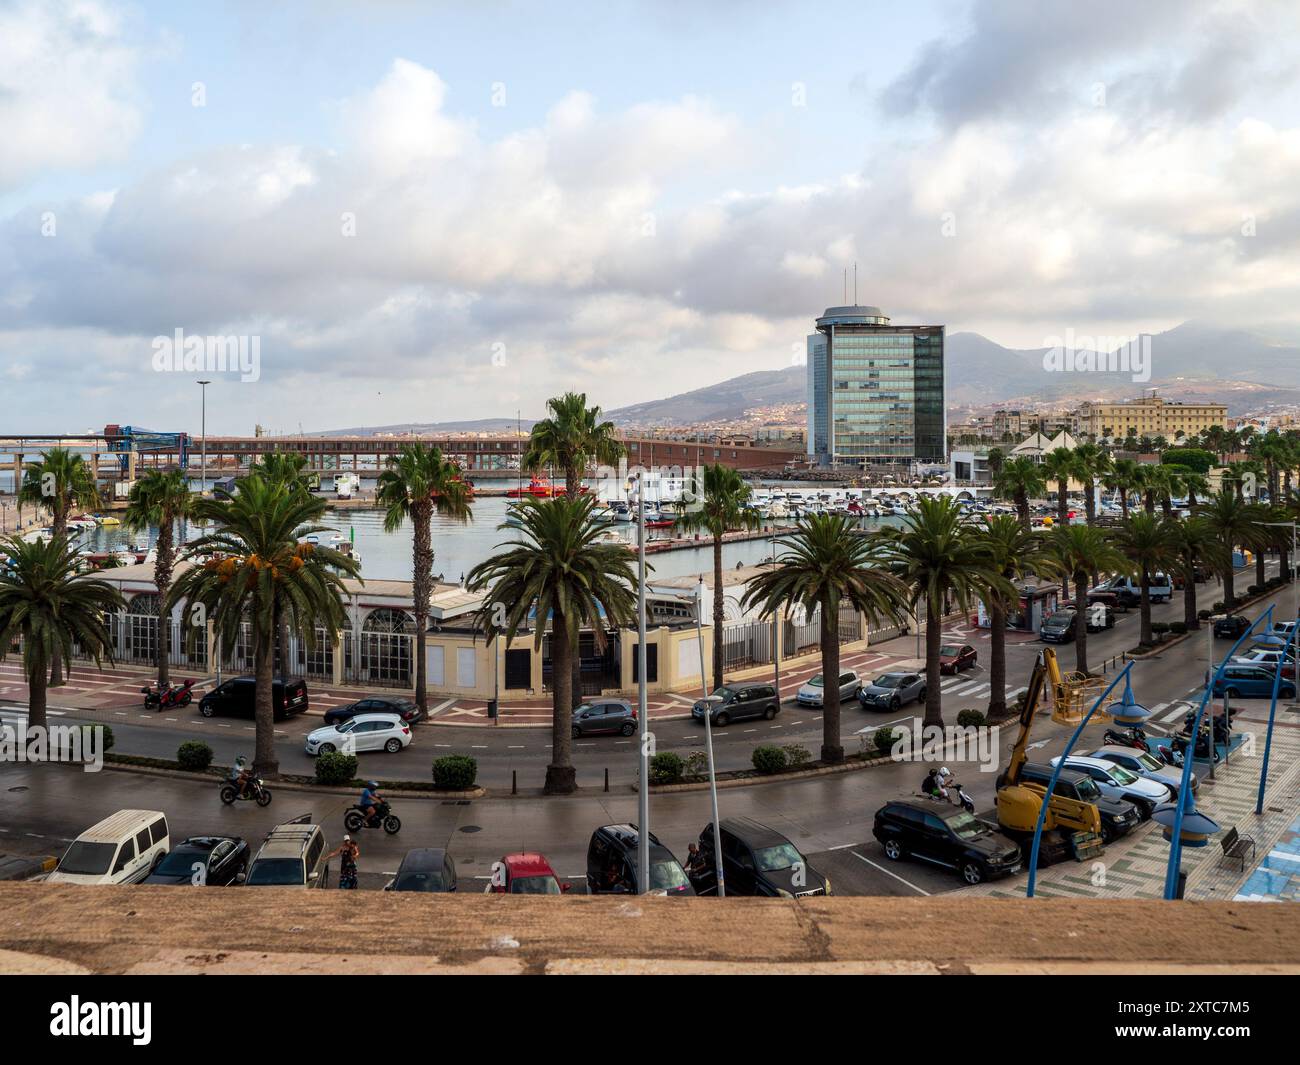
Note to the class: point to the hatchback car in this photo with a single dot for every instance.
(1239, 680)
(954, 657)
(1059, 628)
(428, 869)
(810, 694)
(365, 732)
(889, 691)
(1230, 626)
(527, 873)
(738, 702)
(406, 709)
(757, 860)
(612, 868)
(203, 861)
(1145, 765)
(1116, 782)
(610, 717)
(945, 836)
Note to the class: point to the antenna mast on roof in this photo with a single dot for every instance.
(846, 284)
(855, 284)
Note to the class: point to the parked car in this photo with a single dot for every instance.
(1160, 589)
(428, 869)
(954, 657)
(1230, 626)
(739, 702)
(407, 709)
(612, 868)
(1059, 628)
(527, 873)
(1116, 782)
(889, 691)
(810, 694)
(292, 855)
(1264, 656)
(123, 848)
(237, 695)
(945, 836)
(757, 860)
(1118, 816)
(608, 717)
(1145, 765)
(1241, 680)
(203, 861)
(365, 732)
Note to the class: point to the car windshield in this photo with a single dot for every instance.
(815, 682)
(583, 708)
(419, 881)
(535, 885)
(948, 650)
(1088, 789)
(725, 694)
(180, 863)
(667, 875)
(1147, 761)
(782, 856)
(1122, 776)
(88, 859)
(273, 872)
(967, 826)
(347, 726)
(889, 680)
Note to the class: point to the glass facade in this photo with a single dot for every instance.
(876, 391)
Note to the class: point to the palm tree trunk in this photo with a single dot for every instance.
(422, 548)
(1189, 598)
(1229, 576)
(998, 661)
(1167, 505)
(561, 777)
(1123, 505)
(933, 643)
(573, 488)
(1146, 639)
(36, 698)
(162, 579)
(1081, 623)
(832, 749)
(59, 523)
(1062, 501)
(718, 602)
(1260, 575)
(1022, 505)
(1149, 502)
(265, 763)
(1089, 502)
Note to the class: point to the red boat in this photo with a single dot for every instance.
(540, 488)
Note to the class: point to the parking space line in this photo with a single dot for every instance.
(889, 872)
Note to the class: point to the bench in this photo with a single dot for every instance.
(1235, 845)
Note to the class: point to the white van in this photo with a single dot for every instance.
(1160, 589)
(122, 849)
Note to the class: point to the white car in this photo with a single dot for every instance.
(1116, 782)
(1264, 656)
(1147, 766)
(810, 694)
(365, 732)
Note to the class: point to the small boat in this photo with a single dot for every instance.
(311, 539)
(108, 519)
(538, 488)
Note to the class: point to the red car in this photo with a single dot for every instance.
(954, 657)
(525, 874)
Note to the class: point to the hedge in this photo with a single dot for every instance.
(455, 772)
(193, 756)
(768, 758)
(885, 738)
(1178, 628)
(1193, 457)
(797, 754)
(970, 718)
(336, 768)
(666, 768)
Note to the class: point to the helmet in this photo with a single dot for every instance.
(372, 785)
(944, 771)
(347, 839)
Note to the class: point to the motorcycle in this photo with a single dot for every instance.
(355, 819)
(1175, 753)
(176, 695)
(957, 796)
(256, 790)
(1128, 737)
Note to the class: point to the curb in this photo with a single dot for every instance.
(286, 785)
(12, 868)
(1156, 651)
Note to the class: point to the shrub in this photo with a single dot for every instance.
(455, 771)
(1204, 615)
(106, 740)
(194, 756)
(1254, 589)
(1178, 628)
(697, 764)
(768, 758)
(336, 768)
(1159, 628)
(1219, 607)
(796, 754)
(666, 768)
(970, 718)
(885, 738)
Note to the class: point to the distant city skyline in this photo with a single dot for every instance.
(436, 213)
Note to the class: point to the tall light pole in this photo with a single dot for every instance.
(203, 431)
(776, 637)
(643, 789)
(1291, 562)
(708, 741)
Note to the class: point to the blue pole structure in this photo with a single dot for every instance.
(1122, 675)
(1272, 711)
(1176, 839)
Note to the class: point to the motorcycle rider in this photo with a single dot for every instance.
(240, 774)
(370, 800)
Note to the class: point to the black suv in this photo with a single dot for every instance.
(757, 860)
(611, 864)
(1118, 816)
(604, 718)
(236, 696)
(947, 836)
(739, 702)
(1231, 626)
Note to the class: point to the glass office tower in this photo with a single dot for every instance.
(875, 390)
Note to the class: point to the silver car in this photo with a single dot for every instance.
(1147, 766)
(810, 694)
(889, 691)
(1116, 782)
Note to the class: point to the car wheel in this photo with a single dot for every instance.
(721, 719)
(206, 711)
(894, 704)
(920, 696)
(769, 713)
(627, 730)
(1231, 693)
(326, 748)
(577, 732)
(893, 850)
(393, 746)
(972, 872)
(1107, 833)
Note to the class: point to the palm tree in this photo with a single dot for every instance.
(417, 482)
(59, 482)
(1059, 465)
(160, 498)
(825, 563)
(47, 603)
(556, 568)
(1194, 484)
(721, 510)
(256, 570)
(1080, 551)
(1167, 482)
(1151, 545)
(1014, 553)
(1233, 523)
(1198, 545)
(996, 460)
(284, 466)
(939, 556)
(1091, 462)
(573, 436)
(1019, 480)
(1123, 477)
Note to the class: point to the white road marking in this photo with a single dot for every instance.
(888, 872)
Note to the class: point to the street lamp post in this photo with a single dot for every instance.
(203, 431)
(708, 741)
(643, 790)
(776, 637)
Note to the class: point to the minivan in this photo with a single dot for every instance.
(122, 849)
(757, 860)
(739, 702)
(1118, 816)
(236, 696)
(1160, 589)
(612, 858)
(290, 856)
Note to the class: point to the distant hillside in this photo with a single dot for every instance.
(481, 425)
(720, 402)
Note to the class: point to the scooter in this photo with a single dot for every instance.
(1128, 737)
(176, 695)
(957, 796)
(355, 819)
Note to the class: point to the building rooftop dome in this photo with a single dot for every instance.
(856, 314)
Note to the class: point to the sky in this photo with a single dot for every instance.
(435, 212)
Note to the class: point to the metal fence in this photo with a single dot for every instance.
(384, 659)
(750, 643)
